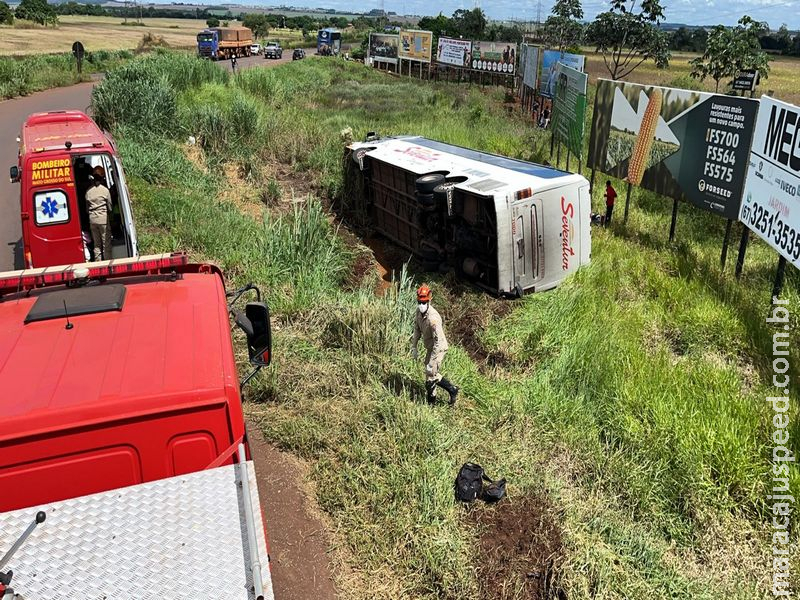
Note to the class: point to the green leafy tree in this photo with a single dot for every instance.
(438, 25)
(212, 22)
(699, 39)
(562, 28)
(258, 24)
(730, 50)
(470, 24)
(38, 11)
(6, 16)
(627, 35)
(784, 39)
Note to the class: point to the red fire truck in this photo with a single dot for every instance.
(124, 462)
(58, 151)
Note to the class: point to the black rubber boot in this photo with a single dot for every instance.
(430, 388)
(449, 388)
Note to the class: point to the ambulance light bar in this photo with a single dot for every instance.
(17, 281)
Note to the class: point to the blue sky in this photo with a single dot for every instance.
(692, 12)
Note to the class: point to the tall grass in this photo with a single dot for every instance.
(20, 76)
(631, 396)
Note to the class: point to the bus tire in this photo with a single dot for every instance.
(427, 183)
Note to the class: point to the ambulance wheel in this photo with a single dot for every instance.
(427, 183)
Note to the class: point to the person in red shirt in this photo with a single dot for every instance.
(611, 195)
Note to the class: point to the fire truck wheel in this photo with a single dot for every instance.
(427, 183)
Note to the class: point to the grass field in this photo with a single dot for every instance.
(107, 33)
(783, 78)
(625, 408)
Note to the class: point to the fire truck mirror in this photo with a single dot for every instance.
(255, 324)
(14, 174)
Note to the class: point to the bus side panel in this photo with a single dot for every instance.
(561, 219)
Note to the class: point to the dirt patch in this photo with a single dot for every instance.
(298, 544)
(520, 548)
(465, 322)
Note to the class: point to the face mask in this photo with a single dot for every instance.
(423, 307)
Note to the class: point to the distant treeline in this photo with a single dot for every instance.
(307, 22)
(694, 40)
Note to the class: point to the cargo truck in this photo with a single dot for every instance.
(510, 226)
(58, 151)
(123, 451)
(219, 43)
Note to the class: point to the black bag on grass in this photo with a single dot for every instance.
(469, 482)
(469, 485)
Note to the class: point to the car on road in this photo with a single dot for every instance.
(255, 49)
(298, 54)
(273, 50)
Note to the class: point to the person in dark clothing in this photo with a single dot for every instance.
(611, 195)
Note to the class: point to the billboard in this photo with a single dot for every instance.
(550, 60)
(678, 143)
(497, 57)
(383, 47)
(415, 45)
(529, 65)
(746, 81)
(569, 108)
(771, 203)
(454, 52)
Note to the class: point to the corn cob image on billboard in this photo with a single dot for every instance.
(683, 144)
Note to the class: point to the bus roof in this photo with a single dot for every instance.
(482, 172)
(168, 348)
(42, 132)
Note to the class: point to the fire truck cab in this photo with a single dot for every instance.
(123, 424)
(58, 151)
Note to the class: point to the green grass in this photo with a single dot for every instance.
(632, 397)
(20, 76)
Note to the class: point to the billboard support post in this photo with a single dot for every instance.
(724, 256)
(777, 288)
(627, 202)
(674, 219)
(742, 250)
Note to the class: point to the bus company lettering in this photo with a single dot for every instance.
(567, 214)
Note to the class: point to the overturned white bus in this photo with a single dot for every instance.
(510, 226)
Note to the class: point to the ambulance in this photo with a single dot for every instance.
(58, 152)
(510, 226)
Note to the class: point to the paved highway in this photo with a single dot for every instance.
(14, 112)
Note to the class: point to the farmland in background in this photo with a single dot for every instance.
(108, 33)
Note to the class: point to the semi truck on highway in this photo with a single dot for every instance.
(219, 43)
(58, 151)
(123, 451)
(510, 226)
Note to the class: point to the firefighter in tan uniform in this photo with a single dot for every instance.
(98, 202)
(428, 326)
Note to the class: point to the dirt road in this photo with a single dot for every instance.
(299, 563)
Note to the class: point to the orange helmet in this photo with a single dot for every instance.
(424, 293)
